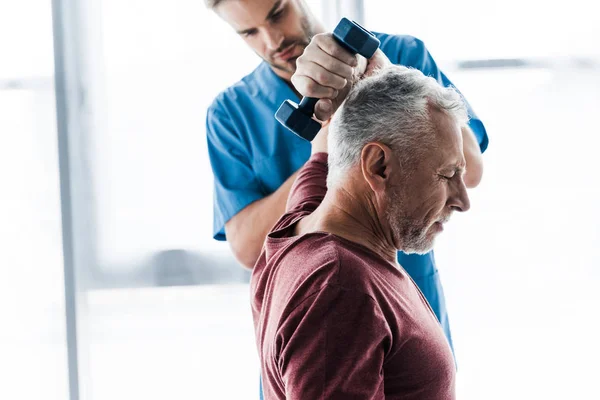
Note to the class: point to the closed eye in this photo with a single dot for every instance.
(276, 16)
(249, 33)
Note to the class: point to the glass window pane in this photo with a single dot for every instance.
(33, 357)
(520, 267)
(152, 334)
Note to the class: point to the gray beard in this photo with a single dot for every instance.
(411, 234)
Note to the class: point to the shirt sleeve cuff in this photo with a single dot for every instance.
(319, 158)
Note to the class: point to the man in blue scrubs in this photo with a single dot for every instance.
(255, 159)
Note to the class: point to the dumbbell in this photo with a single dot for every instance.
(298, 117)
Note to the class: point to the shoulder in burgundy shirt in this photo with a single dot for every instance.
(334, 320)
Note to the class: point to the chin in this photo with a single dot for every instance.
(422, 245)
(420, 251)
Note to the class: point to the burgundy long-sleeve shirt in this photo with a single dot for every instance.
(334, 320)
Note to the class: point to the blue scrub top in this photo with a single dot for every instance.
(252, 154)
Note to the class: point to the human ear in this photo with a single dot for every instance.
(375, 161)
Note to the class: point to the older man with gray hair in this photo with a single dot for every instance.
(405, 112)
(335, 315)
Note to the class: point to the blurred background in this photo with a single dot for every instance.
(111, 285)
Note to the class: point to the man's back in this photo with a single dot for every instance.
(334, 320)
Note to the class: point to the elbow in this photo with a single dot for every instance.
(474, 174)
(246, 250)
(246, 257)
(473, 158)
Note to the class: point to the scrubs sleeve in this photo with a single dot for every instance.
(235, 183)
(415, 54)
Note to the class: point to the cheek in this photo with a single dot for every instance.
(433, 201)
(256, 45)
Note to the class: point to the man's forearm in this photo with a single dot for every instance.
(247, 230)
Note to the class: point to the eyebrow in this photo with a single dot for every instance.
(273, 10)
(456, 168)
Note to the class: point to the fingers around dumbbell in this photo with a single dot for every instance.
(310, 88)
(324, 77)
(324, 109)
(328, 44)
(327, 61)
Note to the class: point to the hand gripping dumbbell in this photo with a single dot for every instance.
(298, 117)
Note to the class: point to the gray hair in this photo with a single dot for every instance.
(390, 107)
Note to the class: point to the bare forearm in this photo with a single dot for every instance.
(473, 158)
(266, 211)
(247, 230)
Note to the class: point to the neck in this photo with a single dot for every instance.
(354, 218)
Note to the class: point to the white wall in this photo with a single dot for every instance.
(475, 29)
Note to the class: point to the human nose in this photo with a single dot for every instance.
(459, 198)
(272, 38)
